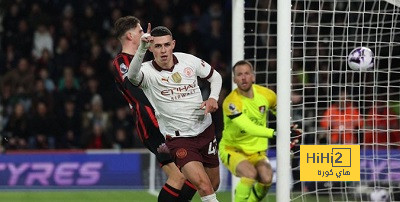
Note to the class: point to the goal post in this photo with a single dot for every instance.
(283, 168)
(237, 54)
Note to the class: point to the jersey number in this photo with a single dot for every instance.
(212, 147)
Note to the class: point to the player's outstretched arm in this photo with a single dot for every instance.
(244, 123)
(134, 74)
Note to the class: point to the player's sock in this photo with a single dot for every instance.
(187, 192)
(258, 192)
(209, 198)
(168, 194)
(243, 189)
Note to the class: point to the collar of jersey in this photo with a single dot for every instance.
(158, 68)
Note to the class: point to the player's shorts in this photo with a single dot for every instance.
(231, 157)
(202, 148)
(149, 133)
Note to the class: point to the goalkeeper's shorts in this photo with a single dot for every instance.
(148, 131)
(231, 157)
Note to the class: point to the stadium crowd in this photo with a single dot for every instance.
(57, 91)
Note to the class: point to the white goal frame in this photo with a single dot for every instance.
(283, 88)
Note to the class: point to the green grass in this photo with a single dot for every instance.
(106, 196)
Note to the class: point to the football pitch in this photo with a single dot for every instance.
(107, 196)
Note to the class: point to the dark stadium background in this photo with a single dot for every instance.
(57, 91)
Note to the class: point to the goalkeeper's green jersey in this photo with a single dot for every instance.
(245, 120)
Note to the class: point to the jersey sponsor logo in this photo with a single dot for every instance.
(188, 71)
(181, 153)
(261, 109)
(123, 68)
(232, 109)
(176, 77)
(180, 92)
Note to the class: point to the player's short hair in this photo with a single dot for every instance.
(242, 62)
(124, 24)
(160, 31)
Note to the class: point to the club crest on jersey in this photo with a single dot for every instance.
(176, 77)
(232, 109)
(123, 68)
(188, 71)
(181, 153)
(261, 109)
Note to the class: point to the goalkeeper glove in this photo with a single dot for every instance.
(295, 134)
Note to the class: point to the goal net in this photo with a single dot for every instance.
(367, 103)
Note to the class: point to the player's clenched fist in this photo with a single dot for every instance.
(145, 41)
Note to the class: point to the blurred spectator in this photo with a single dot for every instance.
(89, 90)
(23, 38)
(17, 130)
(3, 67)
(123, 119)
(10, 21)
(49, 85)
(69, 31)
(68, 12)
(97, 138)
(68, 87)
(168, 21)
(188, 37)
(96, 115)
(68, 77)
(123, 128)
(99, 60)
(86, 71)
(43, 128)
(160, 9)
(112, 47)
(213, 12)
(11, 58)
(71, 123)
(37, 16)
(217, 62)
(342, 120)
(64, 56)
(382, 127)
(89, 22)
(41, 94)
(42, 40)
(22, 96)
(122, 140)
(6, 102)
(214, 39)
(108, 23)
(46, 61)
(22, 76)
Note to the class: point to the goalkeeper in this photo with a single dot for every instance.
(244, 142)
